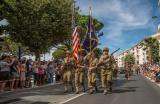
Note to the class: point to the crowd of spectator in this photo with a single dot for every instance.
(151, 71)
(15, 73)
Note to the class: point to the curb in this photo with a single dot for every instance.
(158, 84)
(35, 87)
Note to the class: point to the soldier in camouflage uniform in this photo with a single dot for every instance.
(92, 71)
(67, 71)
(115, 69)
(127, 71)
(105, 64)
(79, 73)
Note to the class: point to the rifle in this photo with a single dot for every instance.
(107, 61)
(115, 51)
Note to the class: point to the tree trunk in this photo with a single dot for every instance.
(37, 56)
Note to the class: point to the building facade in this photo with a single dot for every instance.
(138, 51)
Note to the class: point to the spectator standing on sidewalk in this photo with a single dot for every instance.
(4, 71)
(40, 74)
(23, 73)
(51, 71)
(35, 70)
(58, 72)
(44, 77)
(29, 72)
(14, 73)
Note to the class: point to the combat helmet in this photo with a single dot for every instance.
(106, 49)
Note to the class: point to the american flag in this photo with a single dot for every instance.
(76, 44)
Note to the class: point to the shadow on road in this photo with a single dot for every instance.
(38, 102)
(123, 90)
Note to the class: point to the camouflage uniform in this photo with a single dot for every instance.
(92, 71)
(67, 71)
(115, 69)
(79, 75)
(105, 64)
(127, 71)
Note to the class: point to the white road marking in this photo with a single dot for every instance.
(72, 98)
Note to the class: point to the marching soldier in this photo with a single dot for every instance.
(91, 57)
(79, 73)
(127, 71)
(67, 69)
(105, 64)
(115, 69)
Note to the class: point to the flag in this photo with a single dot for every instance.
(76, 44)
(158, 2)
(90, 41)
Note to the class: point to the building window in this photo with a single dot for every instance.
(137, 62)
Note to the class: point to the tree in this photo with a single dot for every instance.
(98, 52)
(129, 59)
(38, 24)
(151, 45)
(11, 47)
(59, 52)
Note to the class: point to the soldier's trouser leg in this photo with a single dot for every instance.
(69, 78)
(77, 81)
(91, 80)
(106, 78)
(65, 81)
(109, 80)
(103, 79)
(81, 80)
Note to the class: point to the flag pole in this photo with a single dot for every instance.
(90, 17)
(73, 15)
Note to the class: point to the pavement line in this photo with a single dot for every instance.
(72, 98)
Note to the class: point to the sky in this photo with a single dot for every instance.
(126, 22)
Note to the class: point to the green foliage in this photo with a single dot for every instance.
(11, 47)
(129, 59)
(152, 45)
(38, 24)
(42, 24)
(59, 52)
(98, 52)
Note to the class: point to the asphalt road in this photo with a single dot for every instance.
(138, 90)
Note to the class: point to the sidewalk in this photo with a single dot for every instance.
(30, 88)
(158, 84)
(48, 94)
